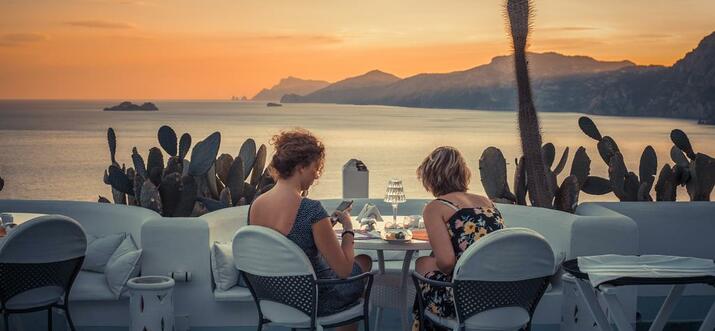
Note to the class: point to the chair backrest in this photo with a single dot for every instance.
(506, 268)
(44, 239)
(40, 259)
(278, 272)
(509, 254)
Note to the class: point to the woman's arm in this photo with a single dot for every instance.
(439, 238)
(340, 256)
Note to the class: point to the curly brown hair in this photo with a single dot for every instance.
(444, 171)
(293, 148)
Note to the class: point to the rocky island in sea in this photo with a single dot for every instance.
(128, 106)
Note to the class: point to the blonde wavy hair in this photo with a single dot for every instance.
(444, 171)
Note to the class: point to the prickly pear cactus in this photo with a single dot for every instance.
(187, 198)
(150, 198)
(667, 185)
(170, 192)
(167, 139)
(626, 185)
(492, 169)
(184, 145)
(112, 142)
(223, 164)
(519, 13)
(204, 154)
(184, 188)
(235, 180)
(247, 153)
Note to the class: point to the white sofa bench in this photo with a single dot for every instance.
(90, 290)
(183, 245)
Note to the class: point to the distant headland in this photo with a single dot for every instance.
(128, 106)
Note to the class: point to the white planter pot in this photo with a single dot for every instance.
(151, 303)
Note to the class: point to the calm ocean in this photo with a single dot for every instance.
(58, 150)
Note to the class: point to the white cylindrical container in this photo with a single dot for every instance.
(151, 303)
(356, 180)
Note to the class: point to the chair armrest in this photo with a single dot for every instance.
(421, 279)
(355, 278)
(368, 286)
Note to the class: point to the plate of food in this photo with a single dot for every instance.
(396, 235)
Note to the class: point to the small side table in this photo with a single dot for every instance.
(606, 289)
(151, 303)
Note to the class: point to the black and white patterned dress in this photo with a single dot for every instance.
(331, 298)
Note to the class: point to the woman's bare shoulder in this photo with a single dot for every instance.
(480, 200)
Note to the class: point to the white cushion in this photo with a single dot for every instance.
(236, 293)
(506, 318)
(222, 266)
(100, 249)
(342, 316)
(284, 315)
(91, 286)
(36, 297)
(122, 265)
(288, 316)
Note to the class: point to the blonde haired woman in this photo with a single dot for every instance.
(454, 220)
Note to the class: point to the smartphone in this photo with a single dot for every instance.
(344, 205)
(341, 207)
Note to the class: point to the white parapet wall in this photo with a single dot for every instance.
(182, 245)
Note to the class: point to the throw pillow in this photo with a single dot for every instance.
(100, 249)
(223, 267)
(123, 265)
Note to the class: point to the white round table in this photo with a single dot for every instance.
(410, 248)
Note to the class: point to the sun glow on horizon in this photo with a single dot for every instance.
(92, 49)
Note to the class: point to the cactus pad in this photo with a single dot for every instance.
(204, 154)
(167, 139)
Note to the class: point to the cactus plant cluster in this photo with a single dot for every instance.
(181, 187)
(695, 171)
(626, 185)
(492, 168)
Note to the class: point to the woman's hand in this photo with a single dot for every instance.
(344, 218)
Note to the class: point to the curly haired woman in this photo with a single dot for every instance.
(297, 162)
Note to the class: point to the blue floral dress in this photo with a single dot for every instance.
(465, 227)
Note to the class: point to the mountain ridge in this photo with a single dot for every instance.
(289, 85)
(560, 82)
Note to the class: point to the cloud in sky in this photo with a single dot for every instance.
(101, 24)
(16, 39)
(310, 38)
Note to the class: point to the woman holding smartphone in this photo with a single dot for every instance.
(296, 164)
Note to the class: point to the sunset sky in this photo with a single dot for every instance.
(180, 49)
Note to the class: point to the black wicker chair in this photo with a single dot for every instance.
(284, 286)
(497, 283)
(39, 262)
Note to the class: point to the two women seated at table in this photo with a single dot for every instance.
(297, 162)
(454, 220)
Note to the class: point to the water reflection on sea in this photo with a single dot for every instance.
(58, 149)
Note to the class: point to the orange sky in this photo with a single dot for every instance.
(180, 49)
